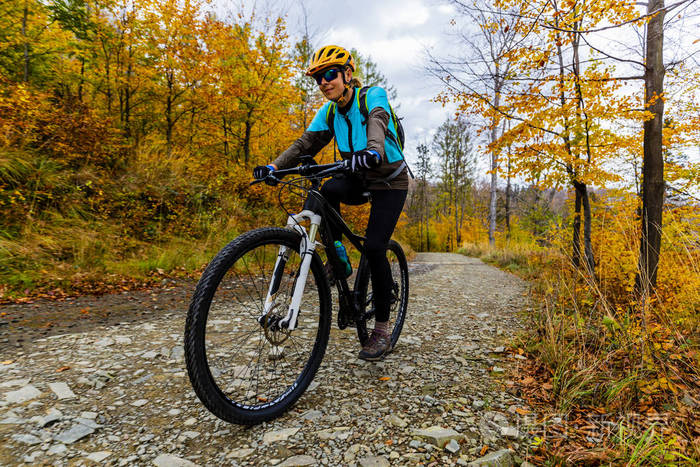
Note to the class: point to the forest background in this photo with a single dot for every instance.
(129, 128)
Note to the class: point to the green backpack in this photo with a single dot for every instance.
(362, 104)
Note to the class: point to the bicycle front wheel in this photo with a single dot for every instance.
(399, 295)
(243, 366)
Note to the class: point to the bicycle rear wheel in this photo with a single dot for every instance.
(399, 295)
(243, 367)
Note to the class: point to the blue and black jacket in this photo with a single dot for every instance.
(353, 132)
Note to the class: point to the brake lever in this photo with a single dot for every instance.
(269, 180)
(344, 167)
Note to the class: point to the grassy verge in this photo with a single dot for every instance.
(62, 256)
(623, 367)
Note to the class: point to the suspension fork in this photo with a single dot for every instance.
(306, 250)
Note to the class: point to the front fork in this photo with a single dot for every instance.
(306, 250)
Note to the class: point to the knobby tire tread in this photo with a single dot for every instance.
(197, 367)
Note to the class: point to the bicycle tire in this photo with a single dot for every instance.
(217, 318)
(399, 273)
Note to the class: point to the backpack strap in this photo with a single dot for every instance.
(330, 118)
(396, 172)
(362, 103)
(395, 121)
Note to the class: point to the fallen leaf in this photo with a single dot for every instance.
(385, 378)
(63, 368)
(7, 362)
(547, 386)
(522, 411)
(484, 449)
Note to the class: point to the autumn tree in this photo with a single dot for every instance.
(452, 147)
(653, 186)
(423, 173)
(480, 67)
(173, 34)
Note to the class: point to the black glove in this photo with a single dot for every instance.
(262, 171)
(365, 159)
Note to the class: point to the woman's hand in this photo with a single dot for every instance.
(365, 159)
(263, 171)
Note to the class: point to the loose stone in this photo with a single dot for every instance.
(57, 449)
(27, 439)
(509, 432)
(298, 461)
(99, 456)
(24, 394)
(502, 458)
(438, 436)
(62, 391)
(374, 461)
(168, 460)
(281, 435)
(240, 453)
(72, 435)
(452, 446)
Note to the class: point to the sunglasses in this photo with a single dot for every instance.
(329, 75)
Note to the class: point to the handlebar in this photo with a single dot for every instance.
(305, 170)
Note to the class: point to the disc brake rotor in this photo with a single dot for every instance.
(273, 333)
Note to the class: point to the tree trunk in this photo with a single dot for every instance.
(25, 74)
(587, 244)
(653, 163)
(225, 127)
(246, 142)
(494, 166)
(169, 118)
(193, 115)
(456, 238)
(508, 199)
(576, 234)
(127, 100)
(427, 222)
(108, 67)
(82, 79)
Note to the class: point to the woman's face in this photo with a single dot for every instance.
(331, 84)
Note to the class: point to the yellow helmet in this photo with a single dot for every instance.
(330, 55)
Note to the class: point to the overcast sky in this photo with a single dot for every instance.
(394, 34)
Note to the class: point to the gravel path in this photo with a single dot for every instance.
(119, 394)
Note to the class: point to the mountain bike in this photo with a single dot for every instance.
(259, 321)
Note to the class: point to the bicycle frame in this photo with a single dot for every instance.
(318, 224)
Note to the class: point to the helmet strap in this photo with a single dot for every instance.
(345, 83)
(345, 91)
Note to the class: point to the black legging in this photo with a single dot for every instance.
(386, 206)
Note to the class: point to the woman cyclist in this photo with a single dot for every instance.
(377, 164)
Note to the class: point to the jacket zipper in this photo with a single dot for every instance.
(347, 122)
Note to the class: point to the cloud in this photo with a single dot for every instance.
(394, 33)
(402, 14)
